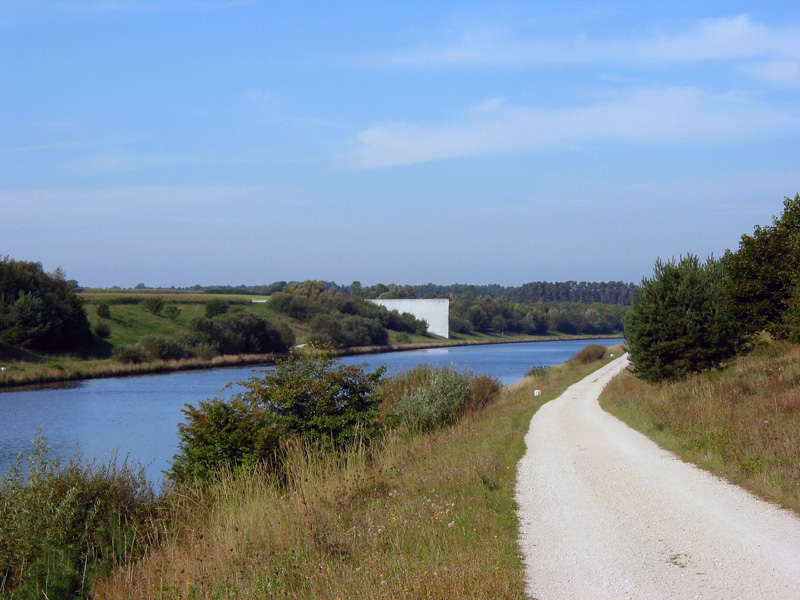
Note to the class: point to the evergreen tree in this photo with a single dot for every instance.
(680, 322)
(763, 276)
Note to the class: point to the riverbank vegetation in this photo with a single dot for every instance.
(146, 330)
(412, 511)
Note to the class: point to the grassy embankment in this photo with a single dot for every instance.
(430, 516)
(130, 322)
(742, 423)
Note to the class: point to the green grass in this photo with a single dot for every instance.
(429, 516)
(742, 423)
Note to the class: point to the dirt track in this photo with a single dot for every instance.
(605, 513)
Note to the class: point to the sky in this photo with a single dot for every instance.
(228, 142)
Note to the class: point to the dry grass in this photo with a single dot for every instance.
(71, 368)
(742, 423)
(432, 516)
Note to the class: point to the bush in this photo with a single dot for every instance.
(245, 332)
(67, 524)
(440, 398)
(309, 395)
(102, 330)
(216, 307)
(590, 354)
(223, 434)
(161, 347)
(127, 354)
(153, 304)
(103, 310)
(538, 372)
(171, 311)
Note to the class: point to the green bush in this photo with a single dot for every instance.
(440, 398)
(171, 311)
(102, 330)
(221, 434)
(62, 525)
(161, 347)
(103, 310)
(127, 354)
(216, 307)
(153, 304)
(309, 394)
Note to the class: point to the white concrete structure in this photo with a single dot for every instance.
(436, 313)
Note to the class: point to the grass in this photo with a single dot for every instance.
(428, 516)
(742, 423)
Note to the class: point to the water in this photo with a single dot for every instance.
(138, 417)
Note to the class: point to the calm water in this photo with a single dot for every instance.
(138, 416)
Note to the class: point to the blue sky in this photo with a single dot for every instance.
(177, 142)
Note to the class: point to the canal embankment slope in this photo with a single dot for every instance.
(606, 513)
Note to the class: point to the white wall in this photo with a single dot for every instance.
(435, 312)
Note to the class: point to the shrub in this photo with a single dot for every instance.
(216, 307)
(102, 330)
(223, 434)
(153, 304)
(127, 354)
(537, 372)
(245, 332)
(103, 310)
(67, 524)
(590, 354)
(161, 347)
(310, 395)
(438, 400)
(171, 311)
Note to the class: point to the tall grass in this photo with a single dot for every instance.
(62, 525)
(742, 423)
(428, 516)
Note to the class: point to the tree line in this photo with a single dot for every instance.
(583, 292)
(693, 316)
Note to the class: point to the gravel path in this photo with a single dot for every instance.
(605, 513)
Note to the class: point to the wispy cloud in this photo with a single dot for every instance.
(674, 115)
(727, 38)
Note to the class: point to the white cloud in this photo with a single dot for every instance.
(727, 38)
(781, 72)
(675, 115)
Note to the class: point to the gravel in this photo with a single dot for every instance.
(605, 513)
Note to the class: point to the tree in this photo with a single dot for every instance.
(154, 304)
(680, 322)
(763, 276)
(38, 310)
